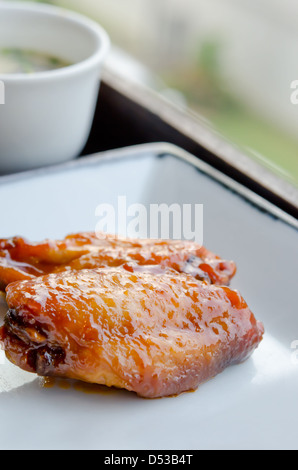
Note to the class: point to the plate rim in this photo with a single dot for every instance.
(160, 149)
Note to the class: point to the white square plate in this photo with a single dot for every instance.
(249, 406)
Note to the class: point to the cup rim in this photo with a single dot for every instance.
(76, 18)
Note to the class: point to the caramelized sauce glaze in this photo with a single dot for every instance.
(21, 259)
(145, 329)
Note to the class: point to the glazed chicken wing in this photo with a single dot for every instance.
(21, 259)
(155, 332)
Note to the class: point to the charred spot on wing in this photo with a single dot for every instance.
(41, 357)
(47, 359)
(12, 318)
(32, 334)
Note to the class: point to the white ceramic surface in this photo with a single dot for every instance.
(249, 406)
(47, 116)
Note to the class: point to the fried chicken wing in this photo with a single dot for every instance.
(21, 259)
(155, 332)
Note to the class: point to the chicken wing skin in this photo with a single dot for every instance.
(149, 331)
(22, 260)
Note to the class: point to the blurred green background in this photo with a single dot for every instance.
(231, 62)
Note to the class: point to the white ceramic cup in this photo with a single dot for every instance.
(47, 116)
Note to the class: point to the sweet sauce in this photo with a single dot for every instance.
(21, 259)
(156, 333)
